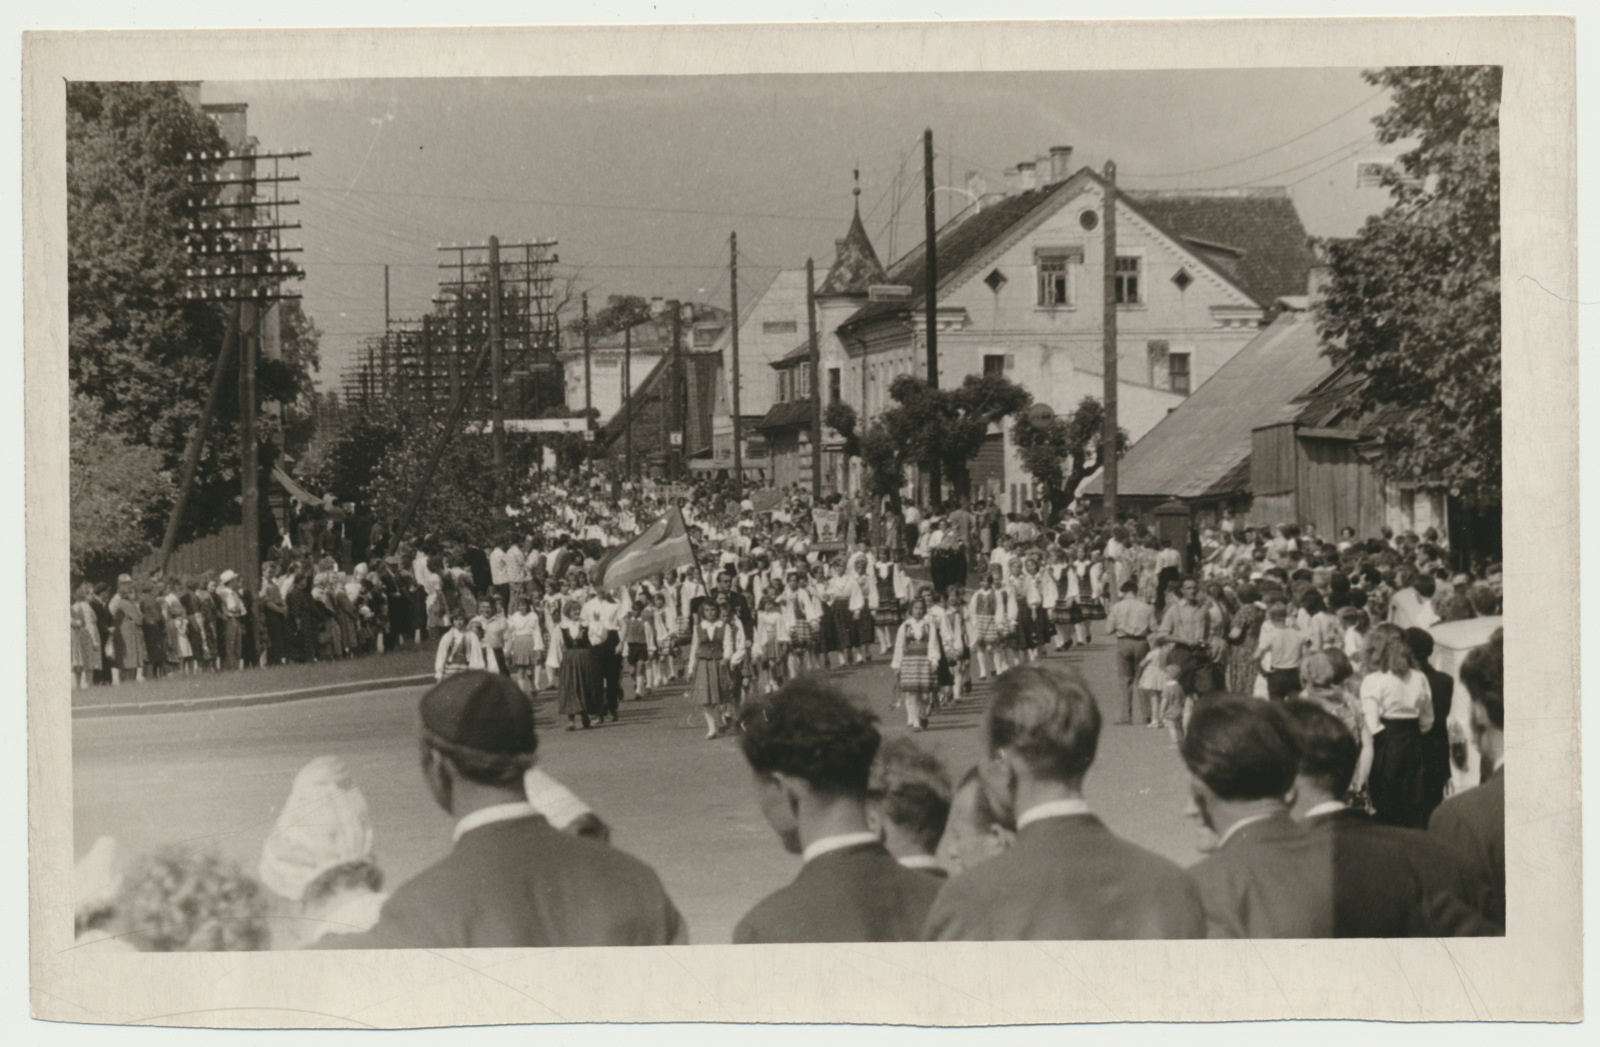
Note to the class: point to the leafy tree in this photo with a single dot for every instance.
(884, 459)
(1412, 307)
(621, 312)
(841, 418)
(1062, 452)
(115, 487)
(948, 425)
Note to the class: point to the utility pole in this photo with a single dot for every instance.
(496, 379)
(733, 299)
(588, 367)
(427, 359)
(249, 448)
(627, 402)
(1108, 435)
(931, 289)
(680, 396)
(386, 324)
(813, 360)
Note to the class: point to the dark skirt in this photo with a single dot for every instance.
(863, 632)
(638, 653)
(1033, 629)
(1398, 782)
(580, 683)
(1065, 612)
(712, 683)
(888, 614)
(837, 632)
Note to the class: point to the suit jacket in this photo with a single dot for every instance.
(1474, 824)
(856, 894)
(1451, 892)
(1281, 879)
(1067, 878)
(523, 883)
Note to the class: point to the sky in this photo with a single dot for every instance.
(642, 179)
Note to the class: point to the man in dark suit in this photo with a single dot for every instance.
(1270, 876)
(908, 803)
(811, 753)
(979, 826)
(1067, 876)
(1474, 821)
(1445, 895)
(511, 879)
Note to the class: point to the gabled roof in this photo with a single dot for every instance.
(789, 414)
(1202, 447)
(855, 263)
(1253, 235)
(1251, 238)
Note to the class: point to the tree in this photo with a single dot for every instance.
(1412, 307)
(1071, 440)
(115, 486)
(621, 312)
(947, 425)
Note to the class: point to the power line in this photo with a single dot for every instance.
(1359, 143)
(588, 206)
(1264, 152)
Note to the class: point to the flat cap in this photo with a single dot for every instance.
(482, 711)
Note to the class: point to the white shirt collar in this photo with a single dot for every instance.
(837, 843)
(499, 812)
(919, 861)
(1052, 809)
(1325, 807)
(1240, 824)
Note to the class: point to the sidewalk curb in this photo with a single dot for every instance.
(240, 701)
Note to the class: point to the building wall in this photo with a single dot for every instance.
(606, 365)
(764, 337)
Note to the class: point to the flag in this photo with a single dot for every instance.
(663, 546)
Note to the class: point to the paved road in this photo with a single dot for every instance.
(679, 802)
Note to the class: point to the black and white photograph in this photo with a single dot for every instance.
(534, 512)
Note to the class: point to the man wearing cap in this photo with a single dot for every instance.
(512, 880)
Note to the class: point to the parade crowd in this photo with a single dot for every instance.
(1290, 670)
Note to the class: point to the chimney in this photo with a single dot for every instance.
(1060, 163)
(977, 187)
(1013, 181)
(1026, 177)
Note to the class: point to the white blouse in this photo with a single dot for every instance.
(1385, 696)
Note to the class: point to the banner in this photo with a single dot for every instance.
(663, 546)
(827, 521)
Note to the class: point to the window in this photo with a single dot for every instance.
(1057, 274)
(803, 384)
(994, 363)
(1127, 273)
(835, 380)
(779, 327)
(784, 385)
(1178, 373)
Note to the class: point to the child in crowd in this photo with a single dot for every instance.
(1280, 649)
(640, 644)
(1152, 683)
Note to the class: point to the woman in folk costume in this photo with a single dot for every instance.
(524, 643)
(798, 606)
(839, 623)
(886, 595)
(945, 613)
(87, 652)
(459, 649)
(984, 617)
(713, 643)
(578, 679)
(769, 646)
(1036, 599)
(1084, 578)
(916, 659)
(861, 620)
(1061, 613)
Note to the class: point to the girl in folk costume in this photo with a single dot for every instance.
(87, 652)
(664, 624)
(797, 606)
(1084, 577)
(1036, 600)
(945, 613)
(839, 623)
(639, 646)
(712, 646)
(916, 657)
(984, 622)
(524, 643)
(861, 620)
(578, 680)
(459, 649)
(1061, 613)
(769, 647)
(888, 590)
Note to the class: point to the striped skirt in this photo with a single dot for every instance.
(985, 630)
(888, 615)
(521, 651)
(804, 635)
(1064, 613)
(917, 675)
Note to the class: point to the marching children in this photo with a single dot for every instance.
(639, 643)
(769, 648)
(916, 655)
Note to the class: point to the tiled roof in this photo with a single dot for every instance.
(799, 352)
(1199, 448)
(786, 415)
(855, 264)
(1253, 235)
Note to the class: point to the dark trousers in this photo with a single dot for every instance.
(610, 657)
(1130, 652)
(1196, 672)
(1283, 684)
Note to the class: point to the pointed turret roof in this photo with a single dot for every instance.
(855, 264)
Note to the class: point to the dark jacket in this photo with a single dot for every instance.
(857, 894)
(522, 883)
(1068, 878)
(1473, 823)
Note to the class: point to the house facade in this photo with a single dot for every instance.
(636, 351)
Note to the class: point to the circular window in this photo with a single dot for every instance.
(1088, 219)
